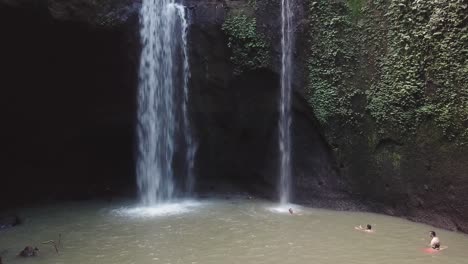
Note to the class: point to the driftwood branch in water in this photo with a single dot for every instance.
(52, 242)
(55, 244)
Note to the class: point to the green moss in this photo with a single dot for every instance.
(252, 3)
(389, 160)
(355, 6)
(372, 140)
(249, 48)
(332, 64)
(404, 61)
(396, 160)
(424, 74)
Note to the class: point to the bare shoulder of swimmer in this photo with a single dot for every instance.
(435, 241)
(368, 228)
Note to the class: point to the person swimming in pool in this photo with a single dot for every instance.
(435, 241)
(367, 229)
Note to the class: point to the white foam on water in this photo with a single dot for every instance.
(284, 208)
(163, 209)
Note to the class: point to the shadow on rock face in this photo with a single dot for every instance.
(235, 127)
(238, 137)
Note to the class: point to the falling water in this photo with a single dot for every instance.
(164, 74)
(191, 146)
(285, 102)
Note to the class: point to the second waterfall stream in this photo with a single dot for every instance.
(285, 118)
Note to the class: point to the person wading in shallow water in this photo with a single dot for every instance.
(435, 241)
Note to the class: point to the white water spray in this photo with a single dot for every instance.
(163, 64)
(191, 146)
(285, 102)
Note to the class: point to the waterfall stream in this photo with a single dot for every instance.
(163, 100)
(285, 102)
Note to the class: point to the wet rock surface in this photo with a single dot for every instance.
(29, 251)
(95, 13)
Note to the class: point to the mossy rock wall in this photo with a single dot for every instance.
(388, 82)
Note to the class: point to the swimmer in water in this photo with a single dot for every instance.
(367, 229)
(291, 211)
(435, 241)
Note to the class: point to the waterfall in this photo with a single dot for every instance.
(191, 146)
(285, 102)
(163, 81)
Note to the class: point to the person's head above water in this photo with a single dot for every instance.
(369, 227)
(433, 234)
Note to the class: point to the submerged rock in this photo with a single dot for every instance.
(29, 251)
(9, 221)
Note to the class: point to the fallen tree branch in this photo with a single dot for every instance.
(55, 244)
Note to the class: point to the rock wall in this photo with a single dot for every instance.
(384, 85)
(109, 14)
(387, 81)
(235, 107)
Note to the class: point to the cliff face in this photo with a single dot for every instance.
(380, 97)
(387, 81)
(235, 96)
(95, 13)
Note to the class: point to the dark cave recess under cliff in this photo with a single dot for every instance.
(68, 100)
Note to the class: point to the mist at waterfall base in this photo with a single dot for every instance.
(163, 124)
(285, 118)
